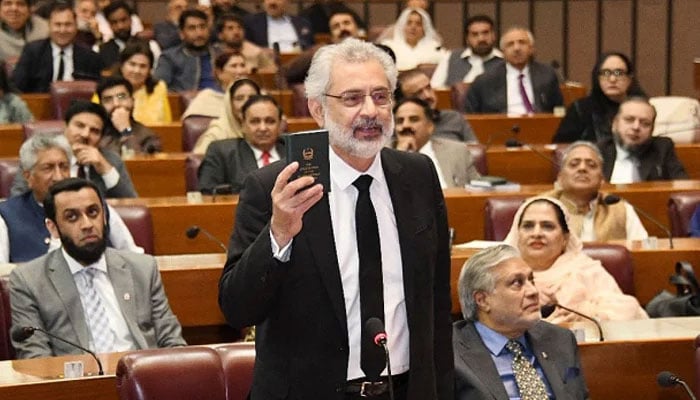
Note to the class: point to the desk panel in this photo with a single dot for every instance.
(157, 175)
(170, 136)
(11, 137)
(533, 129)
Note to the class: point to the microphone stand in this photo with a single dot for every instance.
(595, 321)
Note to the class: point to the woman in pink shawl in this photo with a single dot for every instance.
(563, 273)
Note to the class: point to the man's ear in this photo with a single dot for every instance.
(316, 110)
(481, 301)
(53, 229)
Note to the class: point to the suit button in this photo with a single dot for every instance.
(341, 349)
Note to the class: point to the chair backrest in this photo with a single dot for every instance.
(7, 352)
(300, 106)
(53, 126)
(498, 216)
(478, 153)
(187, 373)
(8, 169)
(191, 168)
(681, 207)
(238, 361)
(572, 91)
(64, 92)
(138, 219)
(192, 129)
(459, 95)
(677, 117)
(617, 260)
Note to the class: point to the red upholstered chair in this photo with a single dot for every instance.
(498, 216)
(8, 169)
(191, 167)
(300, 107)
(192, 129)
(681, 207)
(7, 352)
(138, 219)
(617, 260)
(183, 373)
(459, 95)
(478, 153)
(696, 360)
(238, 360)
(53, 126)
(64, 92)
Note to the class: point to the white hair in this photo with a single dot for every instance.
(517, 28)
(28, 152)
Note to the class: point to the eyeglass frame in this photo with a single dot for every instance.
(343, 97)
(617, 73)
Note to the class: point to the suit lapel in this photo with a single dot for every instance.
(539, 345)
(536, 87)
(66, 289)
(123, 285)
(320, 240)
(471, 349)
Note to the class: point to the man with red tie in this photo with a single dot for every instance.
(228, 162)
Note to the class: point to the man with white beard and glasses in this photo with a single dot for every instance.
(309, 268)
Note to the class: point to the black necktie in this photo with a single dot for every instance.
(372, 359)
(61, 66)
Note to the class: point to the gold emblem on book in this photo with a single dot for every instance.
(308, 153)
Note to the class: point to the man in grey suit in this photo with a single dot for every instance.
(103, 299)
(86, 123)
(520, 86)
(228, 162)
(414, 132)
(502, 349)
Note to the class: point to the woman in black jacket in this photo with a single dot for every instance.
(590, 118)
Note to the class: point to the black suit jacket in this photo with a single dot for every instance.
(256, 30)
(488, 92)
(34, 69)
(555, 348)
(298, 306)
(658, 161)
(228, 161)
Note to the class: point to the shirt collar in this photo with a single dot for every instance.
(344, 175)
(55, 49)
(493, 340)
(75, 267)
(495, 53)
(511, 70)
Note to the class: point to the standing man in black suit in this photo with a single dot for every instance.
(228, 162)
(56, 58)
(274, 25)
(296, 252)
(518, 87)
(502, 349)
(633, 154)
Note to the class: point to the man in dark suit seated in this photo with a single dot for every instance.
(228, 162)
(502, 349)
(106, 300)
(166, 32)
(274, 25)
(56, 58)
(85, 125)
(309, 268)
(518, 87)
(124, 133)
(415, 130)
(118, 14)
(633, 154)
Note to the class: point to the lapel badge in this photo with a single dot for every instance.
(47, 240)
(127, 296)
(544, 355)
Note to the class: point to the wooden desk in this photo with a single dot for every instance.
(158, 175)
(39, 104)
(11, 137)
(170, 136)
(534, 129)
(298, 124)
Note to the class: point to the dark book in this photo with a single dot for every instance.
(310, 150)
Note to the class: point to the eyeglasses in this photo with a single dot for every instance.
(118, 96)
(380, 97)
(617, 73)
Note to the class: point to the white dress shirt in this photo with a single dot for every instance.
(282, 31)
(633, 226)
(111, 178)
(516, 106)
(626, 167)
(67, 62)
(439, 79)
(123, 340)
(257, 153)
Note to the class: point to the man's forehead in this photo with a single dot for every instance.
(582, 152)
(45, 155)
(410, 109)
(69, 199)
(87, 118)
(637, 108)
(479, 27)
(338, 18)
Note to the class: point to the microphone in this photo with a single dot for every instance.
(548, 309)
(514, 130)
(375, 329)
(23, 333)
(194, 230)
(612, 199)
(667, 379)
(558, 70)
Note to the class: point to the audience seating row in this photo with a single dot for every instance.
(7, 352)
(222, 372)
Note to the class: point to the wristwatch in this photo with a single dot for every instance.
(126, 131)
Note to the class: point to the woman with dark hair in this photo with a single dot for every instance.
(151, 104)
(13, 110)
(590, 118)
(228, 124)
(563, 273)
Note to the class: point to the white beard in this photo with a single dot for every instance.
(343, 137)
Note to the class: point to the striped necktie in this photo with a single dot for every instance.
(96, 314)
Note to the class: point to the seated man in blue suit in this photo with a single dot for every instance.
(57, 58)
(274, 25)
(502, 350)
(103, 299)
